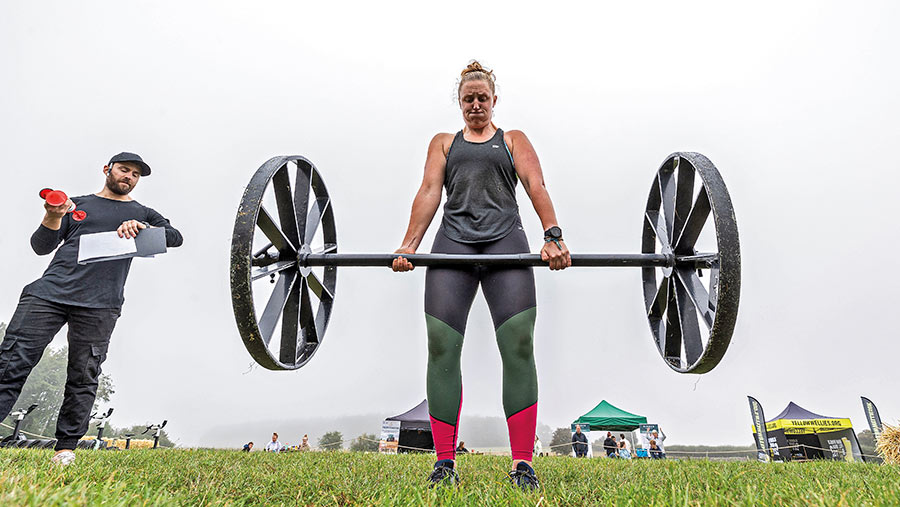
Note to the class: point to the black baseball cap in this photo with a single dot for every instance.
(131, 157)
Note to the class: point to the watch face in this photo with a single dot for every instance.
(554, 232)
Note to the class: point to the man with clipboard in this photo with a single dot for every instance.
(86, 296)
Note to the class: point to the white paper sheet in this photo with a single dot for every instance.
(104, 244)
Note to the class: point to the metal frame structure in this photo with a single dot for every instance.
(301, 299)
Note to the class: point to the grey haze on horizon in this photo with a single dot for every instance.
(796, 103)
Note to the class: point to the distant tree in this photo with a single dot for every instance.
(364, 443)
(544, 432)
(331, 441)
(45, 386)
(561, 436)
(867, 442)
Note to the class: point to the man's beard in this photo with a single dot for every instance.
(113, 186)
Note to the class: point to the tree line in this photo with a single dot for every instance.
(45, 387)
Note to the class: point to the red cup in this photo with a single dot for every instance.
(58, 198)
(54, 197)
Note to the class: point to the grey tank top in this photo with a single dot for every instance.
(481, 190)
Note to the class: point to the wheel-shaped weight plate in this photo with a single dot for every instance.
(692, 306)
(285, 213)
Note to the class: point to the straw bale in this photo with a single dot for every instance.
(888, 445)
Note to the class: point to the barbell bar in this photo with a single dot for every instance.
(691, 321)
(578, 260)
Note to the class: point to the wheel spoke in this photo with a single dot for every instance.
(289, 325)
(281, 184)
(322, 317)
(672, 348)
(684, 194)
(301, 194)
(667, 194)
(694, 224)
(316, 211)
(656, 308)
(694, 287)
(657, 223)
(271, 269)
(690, 328)
(713, 286)
(272, 314)
(307, 317)
(657, 305)
(327, 248)
(322, 293)
(273, 232)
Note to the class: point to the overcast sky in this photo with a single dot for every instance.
(795, 102)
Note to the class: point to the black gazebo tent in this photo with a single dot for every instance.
(415, 429)
(797, 433)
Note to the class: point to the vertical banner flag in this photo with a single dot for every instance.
(759, 421)
(390, 437)
(872, 416)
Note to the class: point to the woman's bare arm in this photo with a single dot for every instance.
(528, 167)
(427, 199)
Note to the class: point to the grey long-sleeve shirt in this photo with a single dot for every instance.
(96, 285)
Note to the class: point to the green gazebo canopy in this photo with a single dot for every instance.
(609, 418)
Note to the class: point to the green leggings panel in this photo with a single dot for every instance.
(515, 338)
(443, 376)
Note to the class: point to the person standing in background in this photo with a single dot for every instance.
(625, 443)
(659, 442)
(579, 443)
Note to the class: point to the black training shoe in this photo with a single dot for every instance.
(444, 474)
(523, 477)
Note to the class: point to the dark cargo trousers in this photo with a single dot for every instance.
(31, 329)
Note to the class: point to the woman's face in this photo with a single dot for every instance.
(476, 101)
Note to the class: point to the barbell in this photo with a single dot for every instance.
(691, 315)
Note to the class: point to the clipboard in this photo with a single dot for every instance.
(108, 246)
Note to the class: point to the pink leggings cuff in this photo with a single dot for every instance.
(522, 426)
(444, 439)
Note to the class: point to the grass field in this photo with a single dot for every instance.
(322, 478)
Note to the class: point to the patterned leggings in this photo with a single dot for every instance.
(509, 291)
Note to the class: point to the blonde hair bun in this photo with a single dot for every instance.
(476, 72)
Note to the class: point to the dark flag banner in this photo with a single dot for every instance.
(759, 423)
(872, 416)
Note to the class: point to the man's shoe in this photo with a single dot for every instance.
(63, 458)
(444, 474)
(523, 477)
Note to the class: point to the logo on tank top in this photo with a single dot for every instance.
(495, 146)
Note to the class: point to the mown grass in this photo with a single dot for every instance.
(322, 478)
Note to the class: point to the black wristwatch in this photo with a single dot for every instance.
(553, 234)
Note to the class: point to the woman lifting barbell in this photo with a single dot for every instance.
(480, 166)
